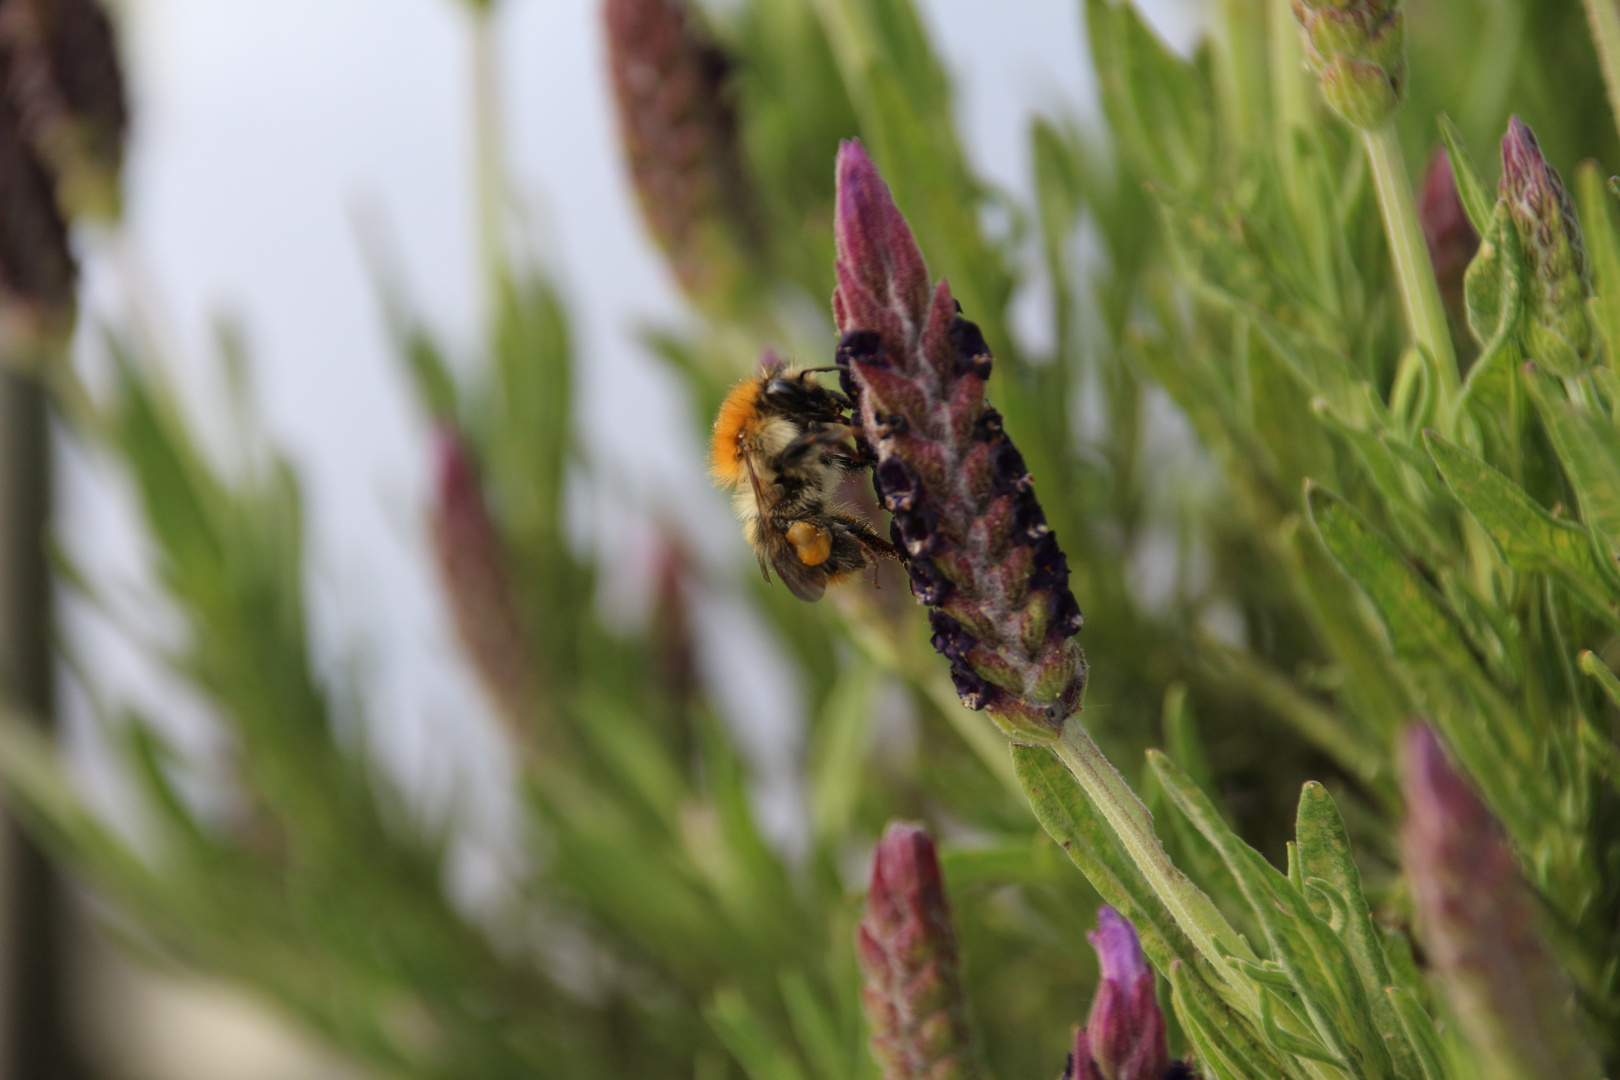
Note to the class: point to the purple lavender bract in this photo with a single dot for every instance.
(965, 514)
(1124, 1036)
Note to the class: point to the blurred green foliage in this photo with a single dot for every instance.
(1338, 557)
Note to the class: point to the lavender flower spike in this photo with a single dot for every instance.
(979, 550)
(473, 571)
(1478, 922)
(907, 951)
(678, 126)
(1124, 1036)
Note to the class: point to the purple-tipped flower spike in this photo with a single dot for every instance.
(907, 951)
(473, 571)
(62, 71)
(1124, 1036)
(1557, 332)
(1357, 49)
(1477, 920)
(978, 547)
(678, 127)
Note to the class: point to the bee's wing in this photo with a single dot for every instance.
(805, 582)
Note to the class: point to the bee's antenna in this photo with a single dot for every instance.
(808, 370)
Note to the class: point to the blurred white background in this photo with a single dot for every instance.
(263, 131)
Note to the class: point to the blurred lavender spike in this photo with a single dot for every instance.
(1477, 920)
(1124, 1036)
(62, 71)
(1558, 332)
(678, 127)
(978, 548)
(473, 571)
(907, 951)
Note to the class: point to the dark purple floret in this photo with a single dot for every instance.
(1029, 520)
(973, 690)
(972, 354)
(1010, 471)
(1066, 614)
(928, 585)
(951, 639)
(919, 530)
(987, 428)
(896, 484)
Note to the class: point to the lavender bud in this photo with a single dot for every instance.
(1357, 49)
(678, 126)
(1124, 1036)
(963, 501)
(62, 71)
(473, 571)
(907, 951)
(1477, 919)
(1556, 332)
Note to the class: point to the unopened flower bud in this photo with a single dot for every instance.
(678, 126)
(473, 571)
(1557, 332)
(907, 950)
(979, 550)
(1357, 48)
(1124, 1036)
(62, 72)
(1477, 920)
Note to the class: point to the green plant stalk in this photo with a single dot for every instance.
(1414, 274)
(1131, 821)
(1604, 15)
(489, 166)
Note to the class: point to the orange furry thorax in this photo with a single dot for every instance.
(738, 412)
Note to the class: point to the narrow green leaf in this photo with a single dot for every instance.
(1471, 189)
(1324, 852)
(1529, 538)
(1420, 1033)
(1589, 448)
(749, 1041)
(1603, 249)
(1322, 972)
(1227, 1046)
(1070, 818)
(838, 771)
(814, 1027)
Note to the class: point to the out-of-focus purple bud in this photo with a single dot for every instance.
(965, 512)
(1478, 921)
(1124, 1036)
(62, 72)
(1449, 234)
(37, 271)
(473, 571)
(678, 126)
(907, 950)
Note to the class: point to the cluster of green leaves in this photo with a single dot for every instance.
(1393, 549)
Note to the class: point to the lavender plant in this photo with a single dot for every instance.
(1371, 520)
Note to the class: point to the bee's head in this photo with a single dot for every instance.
(799, 395)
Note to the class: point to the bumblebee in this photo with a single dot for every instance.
(783, 442)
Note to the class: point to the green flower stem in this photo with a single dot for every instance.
(1604, 15)
(489, 166)
(1420, 294)
(1133, 824)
